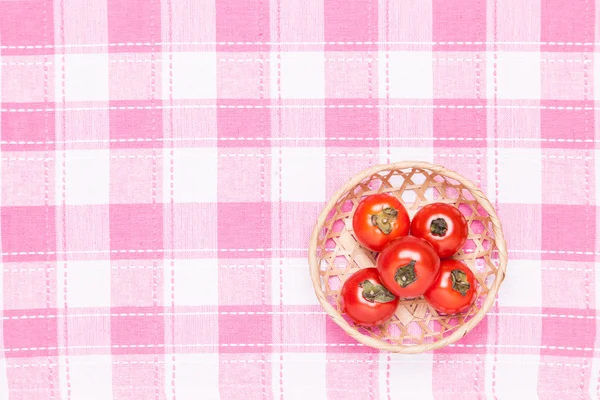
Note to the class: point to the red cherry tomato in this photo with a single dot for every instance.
(408, 266)
(455, 288)
(379, 219)
(442, 225)
(366, 300)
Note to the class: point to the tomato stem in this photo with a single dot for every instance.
(406, 274)
(460, 283)
(438, 227)
(384, 219)
(376, 293)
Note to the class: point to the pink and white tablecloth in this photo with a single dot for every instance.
(163, 163)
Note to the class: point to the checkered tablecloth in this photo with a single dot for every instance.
(163, 163)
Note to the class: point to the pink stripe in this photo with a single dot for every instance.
(567, 22)
(451, 120)
(134, 22)
(578, 243)
(26, 26)
(28, 233)
(28, 131)
(459, 25)
(350, 25)
(578, 123)
(357, 125)
(244, 25)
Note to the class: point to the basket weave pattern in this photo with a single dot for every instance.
(335, 254)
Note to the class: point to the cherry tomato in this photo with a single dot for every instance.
(408, 266)
(455, 288)
(442, 225)
(379, 219)
(366, 300)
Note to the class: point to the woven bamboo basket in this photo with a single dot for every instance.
(334, 254)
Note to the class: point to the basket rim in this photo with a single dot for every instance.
(460, 331)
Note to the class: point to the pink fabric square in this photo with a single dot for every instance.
(294, 320)
(560, 164)
(518, 123)
(135, 21)
(87, 129)
(567, 128)
(244, 280)
(294, 219)
(195, 330)
(28, 233)
(459, 25)
(305, 126)
(136, 230)
(28, 179)
(26, 26)
(135, 76)
(255, 185)
(242, 26)
(249, 371)
(137, 283)
(245, 329)
(204, 121)
(351, 75)
(578, 340)
(338, 341)
(450, 368)
(562, 22)
(30, 337)
(235, 221)
(459, 75)
(560, 375)
(349, 22)
(138, 375)
(573, 277)
(195, 230)
(345, 375)
(137, 330)
(406, 126)
(32, 374)
(136, 176)
(135, 124)
(27, 79)
(28, 131)
(87, 232)
(251, 73)
(351, 123)
(460, 119)
(579, 244)
(516, 330)
(567, 76)
(238, 124)
(29, 286)
(87, 334)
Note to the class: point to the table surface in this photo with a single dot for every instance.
(163, 164)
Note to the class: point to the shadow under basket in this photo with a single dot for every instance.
(334, 254)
